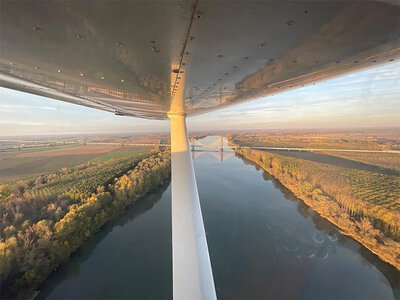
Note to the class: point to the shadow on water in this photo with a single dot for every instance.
(387, 270)
(70, 270)
(334, 160)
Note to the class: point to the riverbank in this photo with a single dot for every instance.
(33, 250)
(332, 192)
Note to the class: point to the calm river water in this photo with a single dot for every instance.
(264, 244)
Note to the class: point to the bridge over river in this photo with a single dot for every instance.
(222, 143)
(219, 143)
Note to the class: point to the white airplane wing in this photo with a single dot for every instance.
(128, 57)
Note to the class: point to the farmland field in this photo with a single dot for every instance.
(251, 141)
(27, 163)
(384, 160)
(350, 161)
(7, 153)
(122, 152)
(40, 148)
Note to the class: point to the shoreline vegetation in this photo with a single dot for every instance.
(44, 219)
(363, 204)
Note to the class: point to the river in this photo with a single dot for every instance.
(264, 243)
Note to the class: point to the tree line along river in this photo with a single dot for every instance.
(264, 243)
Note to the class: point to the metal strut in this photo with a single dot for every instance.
(192, 273)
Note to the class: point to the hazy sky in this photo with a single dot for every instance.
(369, 98)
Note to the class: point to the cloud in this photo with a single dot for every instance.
(350, 82)
(25, 123)
(10, 107)
(47, 107)
(388, 72)
(17, 107)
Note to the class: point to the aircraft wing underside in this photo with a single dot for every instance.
(130, 57)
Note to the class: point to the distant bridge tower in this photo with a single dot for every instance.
(221, 142)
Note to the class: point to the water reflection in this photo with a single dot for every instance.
(73, 269)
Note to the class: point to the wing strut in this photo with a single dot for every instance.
(192, 273)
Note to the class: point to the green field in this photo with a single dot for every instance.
(15, 165)
(23, 167)
(118, 155)
(36, 149)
